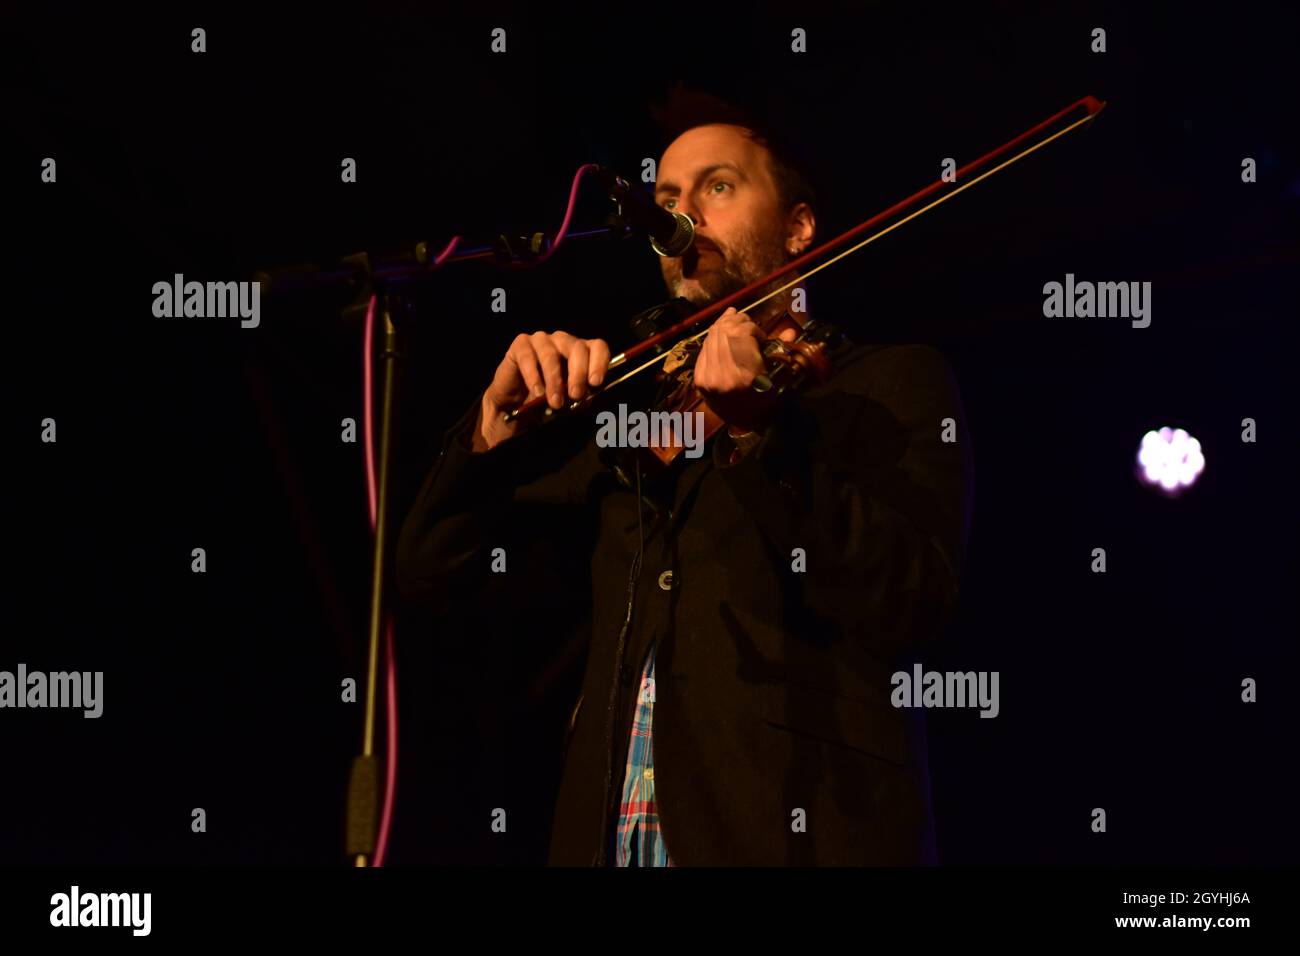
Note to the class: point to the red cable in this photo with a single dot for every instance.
(390, 662)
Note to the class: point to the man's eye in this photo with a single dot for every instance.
(716, 187)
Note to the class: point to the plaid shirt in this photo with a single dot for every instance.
(639, 840)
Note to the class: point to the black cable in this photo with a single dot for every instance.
(614, 691)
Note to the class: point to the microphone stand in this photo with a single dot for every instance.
(363, 780)
(384, 279)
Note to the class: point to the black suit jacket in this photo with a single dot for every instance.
(800, 578)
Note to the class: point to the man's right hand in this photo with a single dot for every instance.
(555, 364)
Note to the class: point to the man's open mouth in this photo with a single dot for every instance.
(691, 259)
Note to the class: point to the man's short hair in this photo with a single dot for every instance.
(686, 109)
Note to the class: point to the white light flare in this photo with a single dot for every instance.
(1170, 460)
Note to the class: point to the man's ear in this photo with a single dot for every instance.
(800, 227)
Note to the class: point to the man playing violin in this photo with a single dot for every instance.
(747, 608)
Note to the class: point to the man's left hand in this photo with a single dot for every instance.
(727, 365)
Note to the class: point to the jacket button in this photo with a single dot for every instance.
(666, 581)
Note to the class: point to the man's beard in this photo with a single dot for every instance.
(746, 259)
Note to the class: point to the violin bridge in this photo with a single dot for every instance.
(676, 358)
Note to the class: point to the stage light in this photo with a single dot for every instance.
(1170, 460)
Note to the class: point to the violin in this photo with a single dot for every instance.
(809, 358)
(788, 367)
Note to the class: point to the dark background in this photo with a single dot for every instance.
(1119, 691)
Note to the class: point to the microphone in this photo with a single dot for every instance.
(671, 233)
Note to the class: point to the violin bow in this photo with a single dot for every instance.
(1050, 129)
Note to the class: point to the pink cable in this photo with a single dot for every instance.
(568, 213)
(390, 663)
(442, 257)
